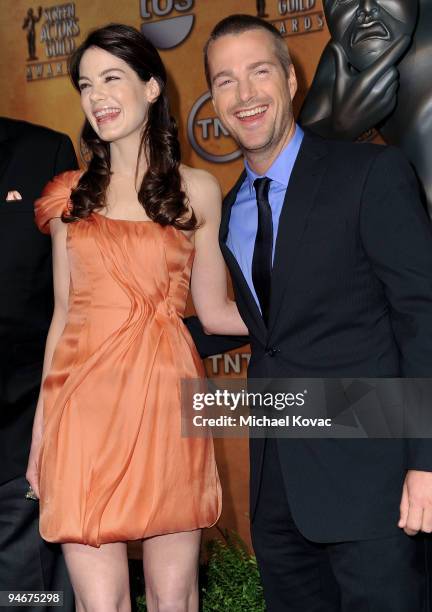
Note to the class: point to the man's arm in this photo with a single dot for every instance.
(212, 344)
(397, 236)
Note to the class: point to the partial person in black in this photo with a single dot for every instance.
(30, 156)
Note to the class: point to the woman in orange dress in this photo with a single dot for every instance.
(129, 234)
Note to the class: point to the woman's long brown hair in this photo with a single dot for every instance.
(160, 193)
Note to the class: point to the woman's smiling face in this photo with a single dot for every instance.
(114, 99)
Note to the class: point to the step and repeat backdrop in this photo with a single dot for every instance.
(35, 41)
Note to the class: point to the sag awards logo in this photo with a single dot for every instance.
(298, 17)
(166, 31)
(57, 34)
(294, 16)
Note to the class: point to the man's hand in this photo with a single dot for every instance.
(416, 503)
(363, 99)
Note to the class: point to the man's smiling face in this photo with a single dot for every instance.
(367, 28)
(252, 92)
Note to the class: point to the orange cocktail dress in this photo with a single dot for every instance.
(113, 464)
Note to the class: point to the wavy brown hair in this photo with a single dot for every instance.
(160, 193)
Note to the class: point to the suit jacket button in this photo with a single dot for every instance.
(271, 352)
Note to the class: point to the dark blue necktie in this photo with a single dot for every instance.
(263, 250)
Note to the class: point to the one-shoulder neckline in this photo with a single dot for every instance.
(146, 221)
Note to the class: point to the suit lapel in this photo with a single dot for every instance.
(299, 199)
(233, 266)
(5, 155)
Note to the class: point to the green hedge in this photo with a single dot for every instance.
(229, 579)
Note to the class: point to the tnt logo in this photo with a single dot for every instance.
(207, 135)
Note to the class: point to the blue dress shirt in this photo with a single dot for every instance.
(243, 222)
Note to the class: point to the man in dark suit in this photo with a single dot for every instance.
(330, 253)
(30, 156)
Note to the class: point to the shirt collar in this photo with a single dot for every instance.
(281, 168)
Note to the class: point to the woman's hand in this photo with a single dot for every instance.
(32, 473)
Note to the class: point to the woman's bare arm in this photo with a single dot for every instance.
(216, 311)
(61, 274)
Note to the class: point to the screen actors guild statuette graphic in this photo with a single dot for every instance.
(57, 35)
(375, 73)
(168, 32)
(29, 25)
